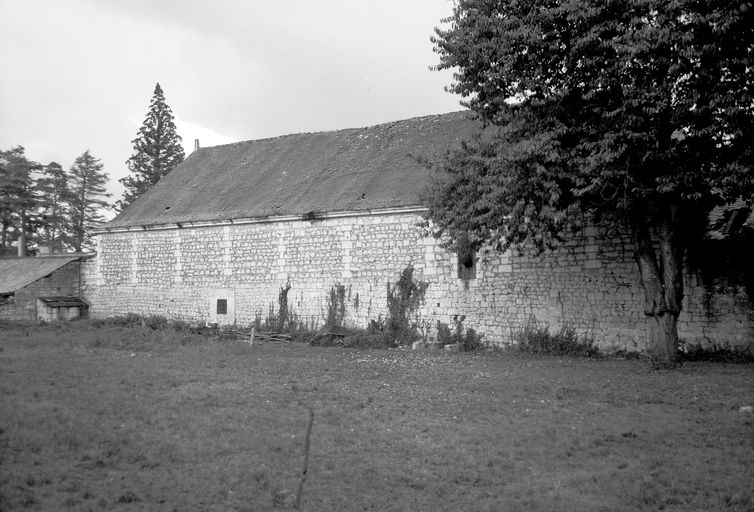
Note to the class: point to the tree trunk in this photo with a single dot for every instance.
(663, 340)
(661, 270)
(22, 236)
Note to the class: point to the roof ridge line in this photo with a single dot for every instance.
(339, 130)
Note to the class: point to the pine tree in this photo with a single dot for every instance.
(157, 150)
(88, 198)
(56, 229)
(17, 198)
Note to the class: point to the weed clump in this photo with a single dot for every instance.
(353, 338)
(718, 354)
(469, 339)
(153, 322)
(142, 333)
(366, 338)
(536, 339)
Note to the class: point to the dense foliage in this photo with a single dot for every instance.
(157, 150)
(640, 111)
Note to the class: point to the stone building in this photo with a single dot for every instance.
(41, 287)
(219, 236)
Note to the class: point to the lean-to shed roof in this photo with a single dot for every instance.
(346, 170)
(17, 273)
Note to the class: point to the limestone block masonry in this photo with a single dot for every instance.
(232, 273)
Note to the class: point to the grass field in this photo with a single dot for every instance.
(106, 418)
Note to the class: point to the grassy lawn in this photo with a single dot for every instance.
(106, 418)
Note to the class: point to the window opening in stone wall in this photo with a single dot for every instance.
(222, 306)
(467, 265)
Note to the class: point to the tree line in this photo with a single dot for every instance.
(46, 206)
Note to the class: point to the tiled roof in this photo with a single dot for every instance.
(346, 170)
(17, 273)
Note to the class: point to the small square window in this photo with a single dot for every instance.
(467, 265)
(222, 306)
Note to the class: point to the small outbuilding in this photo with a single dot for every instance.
(42, 287)
(50, 309)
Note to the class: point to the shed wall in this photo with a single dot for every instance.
(64, 281)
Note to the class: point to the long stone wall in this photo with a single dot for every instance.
(590, 284)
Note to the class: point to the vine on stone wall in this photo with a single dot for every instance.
(403, 299)
(336, 306)
(399, 327)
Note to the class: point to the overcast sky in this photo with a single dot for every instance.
(79, 74)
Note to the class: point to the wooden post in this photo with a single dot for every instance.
(306, 458)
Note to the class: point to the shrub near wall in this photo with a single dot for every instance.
(536, 339)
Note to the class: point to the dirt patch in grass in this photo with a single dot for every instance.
(105, 419)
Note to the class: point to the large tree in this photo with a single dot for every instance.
(157, 150)
(54, 208)
(88, 186)
(17, 199)
(639, 111)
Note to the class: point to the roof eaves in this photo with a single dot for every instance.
(263, 220)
